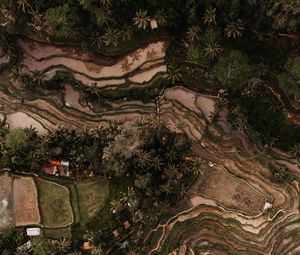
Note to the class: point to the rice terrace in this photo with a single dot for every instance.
(149, 127)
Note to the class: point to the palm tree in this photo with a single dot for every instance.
(156, 163)
(143, 159)
(24, 5)
(38, 77)
(106, 2)
(94, 90)
(171, 156)
(210, 16)
(97, 133)
(20, 76)
(171, 171)
(162, 206)
(153, 215)
(174, 74)
(96, 40)
(141, 19)
(165, 188)
(36, 20)
(35, 159)
(193, 33)
(198, 166)
(126, 33)
(63, 245)
(117, 205)
(160, 17)
(103, 16)
(111, 37)
(8, 12)
(212, 50)
(234, 28)
(130, 193)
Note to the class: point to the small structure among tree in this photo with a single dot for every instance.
(57, 167)
(153, 24)
(87, 246)
(126, 224)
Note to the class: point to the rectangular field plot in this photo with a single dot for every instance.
(55, 208)
(92, 196)
(6, 211)
(57, 233)
(25, 201)
(230, 192)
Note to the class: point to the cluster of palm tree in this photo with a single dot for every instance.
(26, 7)
(29, 79)
(25, 150)
(111, 36)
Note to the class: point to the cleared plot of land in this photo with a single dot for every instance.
(25, 201)
(92, 196)
(6, 213)
(229, 191)
(55, 206)
(22, 120)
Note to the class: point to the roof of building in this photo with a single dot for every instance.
(33, 231)
(87, 246)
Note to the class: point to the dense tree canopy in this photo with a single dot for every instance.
(289, 80)
(232, 69)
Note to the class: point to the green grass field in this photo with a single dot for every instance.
(92, 196)
(57, 232)
(54, 204)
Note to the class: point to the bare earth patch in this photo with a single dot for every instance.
(6, 212)
(229, 191)
(22, 120)
(25, 201)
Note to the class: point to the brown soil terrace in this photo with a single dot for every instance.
(226, 208)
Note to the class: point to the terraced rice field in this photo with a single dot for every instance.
(92, 196)
(47, 58)
(54, 203)
(225, 211)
